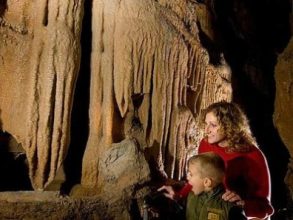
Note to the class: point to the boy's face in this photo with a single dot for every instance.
(194, 178)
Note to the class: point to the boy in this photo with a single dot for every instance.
(205, 174)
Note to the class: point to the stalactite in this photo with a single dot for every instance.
(157, 58)
(48, 75)
(146, 67)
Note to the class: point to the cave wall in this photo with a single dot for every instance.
(40, 55)
(284, 105)
(150, 77)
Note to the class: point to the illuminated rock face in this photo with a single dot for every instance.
(284, 105)
(39, 62)
(150, 78)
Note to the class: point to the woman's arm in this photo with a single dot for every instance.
(253, 185)
(231, 196)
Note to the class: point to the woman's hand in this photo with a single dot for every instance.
(231, 196)
(168, 191)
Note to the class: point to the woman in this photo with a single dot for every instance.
(247, 178)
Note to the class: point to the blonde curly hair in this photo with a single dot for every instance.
(234, 124)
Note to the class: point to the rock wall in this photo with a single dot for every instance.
(39, 62)
(284, 105)
(150, 78)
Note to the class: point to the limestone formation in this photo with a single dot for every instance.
(39, 62)
(149, 73)
(284, 105)
(150, 79)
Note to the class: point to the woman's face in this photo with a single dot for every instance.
(213, 130)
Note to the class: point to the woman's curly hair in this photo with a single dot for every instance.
(235, 125)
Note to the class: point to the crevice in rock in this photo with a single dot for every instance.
(46, 13)
(3, 7)
(80, 115)
(13, 165)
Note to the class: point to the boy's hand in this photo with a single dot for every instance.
(168, 192)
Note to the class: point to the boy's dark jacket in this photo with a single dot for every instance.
(211, 206)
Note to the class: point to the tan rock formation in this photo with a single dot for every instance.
(122, 167)
(39, 62)
(149, 73)
(150, 78)
(284, 104)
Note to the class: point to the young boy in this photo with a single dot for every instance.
(205, 174)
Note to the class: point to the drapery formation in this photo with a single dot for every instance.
(40, 53)
(150, 78)
(149, 72)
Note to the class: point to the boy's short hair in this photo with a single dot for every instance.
(211, 166)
